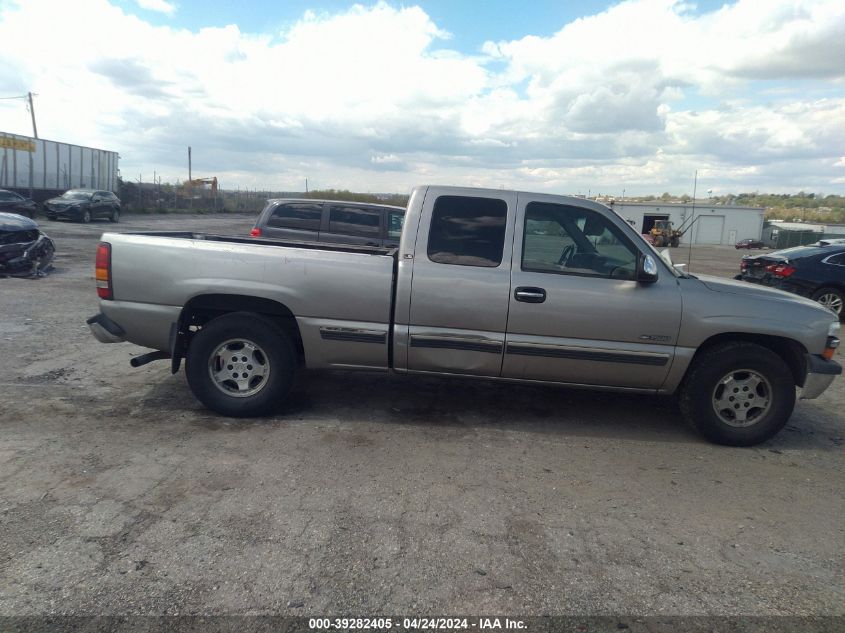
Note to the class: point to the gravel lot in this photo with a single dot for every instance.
(377, 494)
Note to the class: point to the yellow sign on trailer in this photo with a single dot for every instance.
(22, 145)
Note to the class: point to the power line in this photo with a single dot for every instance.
(31, 107)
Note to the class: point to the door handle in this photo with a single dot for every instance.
(529, 294)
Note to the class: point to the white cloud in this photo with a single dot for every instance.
(161, 6)
(371, 98)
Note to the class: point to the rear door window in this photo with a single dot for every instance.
(467, 231)
(395, 220)
(351, 220)
(296, 215)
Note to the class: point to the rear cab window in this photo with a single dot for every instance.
(467, 231)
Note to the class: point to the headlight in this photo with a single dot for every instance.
(833, 330)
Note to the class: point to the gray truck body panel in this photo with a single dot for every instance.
(382, 310)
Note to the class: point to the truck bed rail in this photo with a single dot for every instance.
(267, 241)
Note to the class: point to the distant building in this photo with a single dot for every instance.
(703, 223)
(785, 234)
(778, 234)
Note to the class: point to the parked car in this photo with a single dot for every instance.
(814, 271)
(24, 250)
(331, 221)
(11, 202)
(504, 285)
(749, 243)
(84, 205)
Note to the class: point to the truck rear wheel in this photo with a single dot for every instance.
(738, 394)
(241, 365)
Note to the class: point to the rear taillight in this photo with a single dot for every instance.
(743, 265)
(102, 271)
(780, 270)
(256, 232)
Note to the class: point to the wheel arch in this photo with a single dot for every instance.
(201, 309)
(835, 284)
(793, 353)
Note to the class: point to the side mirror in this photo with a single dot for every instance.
(646, 269)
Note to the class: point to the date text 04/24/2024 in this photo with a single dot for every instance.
(442, 624)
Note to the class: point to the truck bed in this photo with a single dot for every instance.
(330, 289)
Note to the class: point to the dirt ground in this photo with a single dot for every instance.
(374, 494)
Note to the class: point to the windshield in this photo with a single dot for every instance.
(76, 195)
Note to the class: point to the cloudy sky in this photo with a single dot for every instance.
(545, 95)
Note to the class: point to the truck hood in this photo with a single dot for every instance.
(720, 284)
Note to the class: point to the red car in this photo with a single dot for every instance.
(749, 243)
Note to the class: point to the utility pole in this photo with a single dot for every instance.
(694, 191)
(32, 112)
(190, 184)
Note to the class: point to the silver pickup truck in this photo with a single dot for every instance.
(504, 285)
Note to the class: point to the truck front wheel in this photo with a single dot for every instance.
(241, 365)
(738, 394)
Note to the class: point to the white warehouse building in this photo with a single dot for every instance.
(703, 223)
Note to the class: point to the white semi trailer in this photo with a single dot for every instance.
(41, 169)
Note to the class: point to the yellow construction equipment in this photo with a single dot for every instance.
(201, 182)
(663, 233)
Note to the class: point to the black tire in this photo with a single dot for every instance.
(831, 294)
(703, 384)
(115, 215)
(276, 348)
(86, 216)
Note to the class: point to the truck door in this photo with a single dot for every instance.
(577, 313)
(461, 282)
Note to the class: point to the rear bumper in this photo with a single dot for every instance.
(105, 330)
(820, 373)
